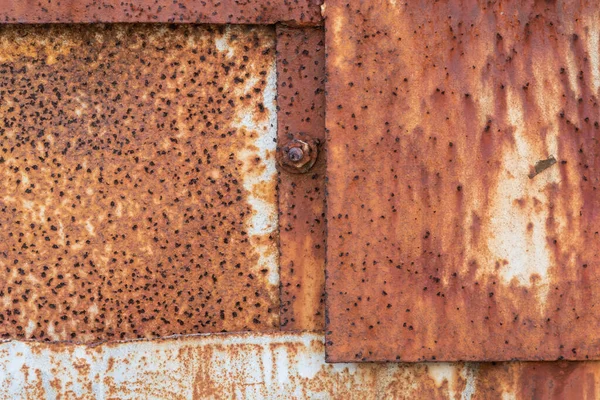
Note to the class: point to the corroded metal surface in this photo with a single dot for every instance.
(242, 366)
(138, 181)
(301, 109)
(537, 380)
(268, 366)
(450, 234)
(294, 12)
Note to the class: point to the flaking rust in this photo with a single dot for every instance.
(541, 166)
(138, 169)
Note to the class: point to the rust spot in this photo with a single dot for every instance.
(138, 195)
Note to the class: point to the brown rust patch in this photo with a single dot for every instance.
(538, 380)
(439, 245)
(137, 187)
(301, 109)
(296, 12)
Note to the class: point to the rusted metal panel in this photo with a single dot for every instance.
(451, 233)
(139, 181)
(301, 110)
(293, 12)
(223, 366)
(268, 366)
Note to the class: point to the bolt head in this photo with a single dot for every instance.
(295, 154)
(298, 155)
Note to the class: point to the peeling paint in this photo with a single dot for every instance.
(268, 366)
(249, 366)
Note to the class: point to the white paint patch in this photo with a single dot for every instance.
(443, 372)
(509, 396)
(469, 373)
(593, 51)
(222, 43)
(260, 178)
(517, 228)
(89, 227)
(572, 73)
(28, 205)
(61, 234)
(242, 365)
(30, 328)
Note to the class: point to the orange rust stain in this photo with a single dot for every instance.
(301, 109)
(123, 210)
(440, 244)
(537, 380)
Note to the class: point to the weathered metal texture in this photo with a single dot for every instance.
(242, 366)
(293, 12)
(139, 181)
(537, 380)
(301, 109)
(451, 234)
(267, 366)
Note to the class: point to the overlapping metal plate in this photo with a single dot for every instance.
(301, 110)
(293, 12)
(138, 194)
(463, 176)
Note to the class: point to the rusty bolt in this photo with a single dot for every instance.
(295, 154)
(298, 155)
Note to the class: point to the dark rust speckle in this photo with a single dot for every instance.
(129, 153)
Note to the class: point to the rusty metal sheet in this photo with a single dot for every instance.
(293, 12)
(301, 110)
(537, 380)
(138, 194)
(452, 233)
(268, 366)
(223, 366)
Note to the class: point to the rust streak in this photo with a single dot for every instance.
(439, 245)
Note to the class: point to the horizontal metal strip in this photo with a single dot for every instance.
(295, 12)
(276, 365)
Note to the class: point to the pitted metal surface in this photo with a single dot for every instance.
(138, 181)
(463, 174)
(292, 12)
(301, 116)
